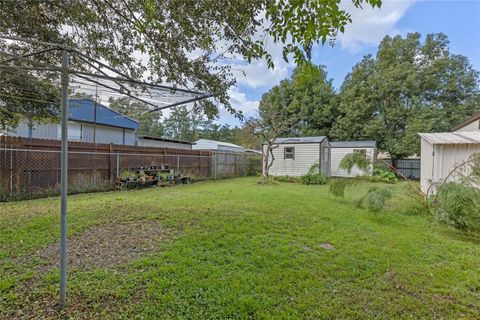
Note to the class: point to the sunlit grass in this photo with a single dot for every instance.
(244, 250)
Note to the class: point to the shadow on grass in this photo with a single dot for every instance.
(458, 235)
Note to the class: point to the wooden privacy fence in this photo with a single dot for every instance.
(31, 167)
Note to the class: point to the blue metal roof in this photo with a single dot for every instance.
(84, 110)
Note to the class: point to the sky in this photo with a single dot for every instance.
(458, 19)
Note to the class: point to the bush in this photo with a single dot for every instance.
(267, 181)
(286, 179)
(375, 199)
(384, 176)
(337, 187)
(457, 205)
(313, 178)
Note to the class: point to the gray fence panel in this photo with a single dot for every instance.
(410, 168)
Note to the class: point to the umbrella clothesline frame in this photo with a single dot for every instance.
(66, 72)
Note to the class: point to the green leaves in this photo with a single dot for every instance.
(411, 86)
(188, 43)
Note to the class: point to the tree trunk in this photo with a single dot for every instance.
(395, 164)
(265, 163)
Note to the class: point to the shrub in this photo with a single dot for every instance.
(266, 181)
(458, 205)
(384, 176)
(286, 179)
(337, 187)
(375, 199)
(313, 178)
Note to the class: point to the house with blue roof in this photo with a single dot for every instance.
(89, 121)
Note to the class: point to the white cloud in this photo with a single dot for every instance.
(240, 102)
(369, 25)
(257, 74)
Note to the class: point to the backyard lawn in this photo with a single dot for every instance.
(235, 249)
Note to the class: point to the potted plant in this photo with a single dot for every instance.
(128, 175)
(142, 177)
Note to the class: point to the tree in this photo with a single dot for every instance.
(273, 121)
(409, 87)
(185, 124)
(150, 124)
(244, 137)
(313, 99)
(187, 43)
(12, 108)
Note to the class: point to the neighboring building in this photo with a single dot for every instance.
(253, 152)
(212, 145)
(88, 122)
(148, 141)
(295, 156)
(443, 152)
(340, 149)
(470, 124)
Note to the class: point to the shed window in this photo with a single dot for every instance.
(289, 153)
(361, 151)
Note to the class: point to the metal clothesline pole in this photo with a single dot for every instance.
(64, 181)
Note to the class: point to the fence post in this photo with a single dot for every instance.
(235, 165)
(178, 163)
(11, 172)
(118, 165)
(214, 166)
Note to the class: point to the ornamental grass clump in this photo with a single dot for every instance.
(375, 199)
(337, 187)
(458, 205)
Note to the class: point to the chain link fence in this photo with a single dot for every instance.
(35, 173)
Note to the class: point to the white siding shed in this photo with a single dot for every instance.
(470, 124)
(295, 156)
(341, 148)
(442, 152)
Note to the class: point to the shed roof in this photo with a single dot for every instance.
(461, 137)
(354, 144)
(218, 143)
(84, 110)
(294, 140)
(164, 139)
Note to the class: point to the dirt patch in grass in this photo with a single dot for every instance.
(103, 246)
(327, 246)
(111, 244)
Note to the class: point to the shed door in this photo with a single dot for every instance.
(326, 161)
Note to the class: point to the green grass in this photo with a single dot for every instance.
(244, 250)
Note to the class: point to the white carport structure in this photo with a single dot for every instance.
(206, 144)
(443, 152)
